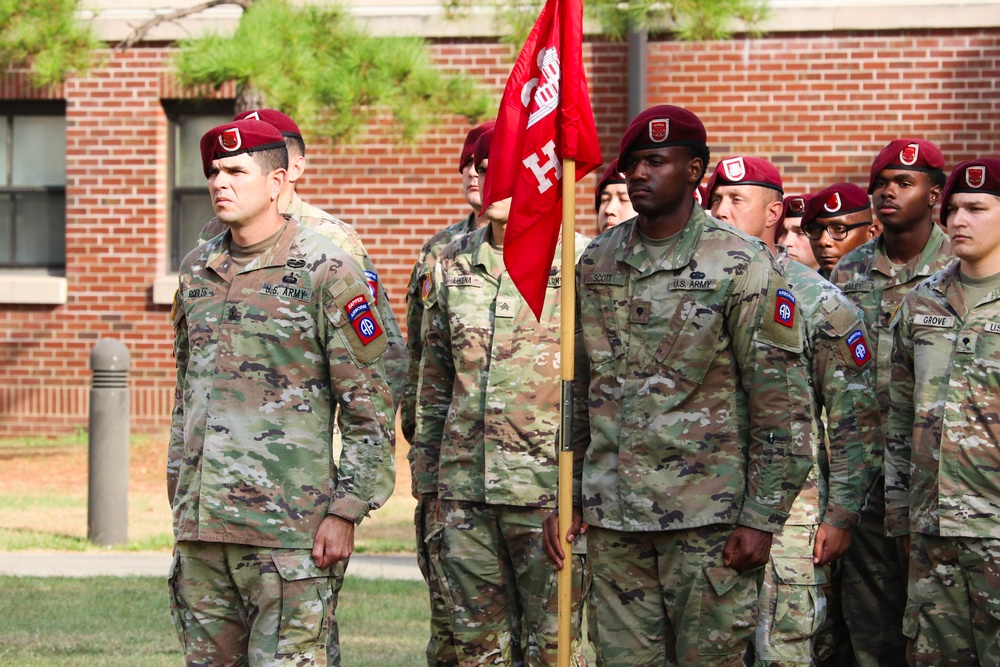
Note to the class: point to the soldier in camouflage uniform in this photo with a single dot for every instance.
(746, 193)
(487, 418)
(440, 651)
(690, 392)
(905, 184)
(835, 228)
(343, 235)
(274, 327)
(943, 439)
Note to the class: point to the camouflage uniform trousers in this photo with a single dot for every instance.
(953, 611)
(792, 606)
(500, 586)
(874, 593)
(833, 640)
(440, 647)
(236, 604)
(665, 598)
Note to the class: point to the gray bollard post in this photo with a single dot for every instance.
(107, 481)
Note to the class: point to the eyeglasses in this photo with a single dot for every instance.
(837, 232)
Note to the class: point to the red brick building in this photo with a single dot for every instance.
(92, 224)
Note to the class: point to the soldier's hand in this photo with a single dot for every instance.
(746, 549)
(551, 543)
(334, 541)
(831, 543)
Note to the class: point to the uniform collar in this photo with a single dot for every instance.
(633, 251)
(276, 255)
(922, 265)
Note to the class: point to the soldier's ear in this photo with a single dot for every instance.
(934, 196)
(696, 170)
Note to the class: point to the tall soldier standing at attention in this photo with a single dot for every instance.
(943, 442)
(440, 651)
(274, 326)
(746, 192)
(905, 184)
(691, 393)
(487, 419)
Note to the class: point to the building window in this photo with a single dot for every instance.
(190, 206)
(33, 189)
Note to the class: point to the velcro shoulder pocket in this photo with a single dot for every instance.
(351, 310)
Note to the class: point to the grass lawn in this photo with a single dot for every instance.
(113, 622)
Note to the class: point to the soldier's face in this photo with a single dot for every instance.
(240, 192)
(742, 206)
(828, 251)
(470, 187)
(659, 179)
(974, 230)
(903, 198)
(615, 207)
(797, 243)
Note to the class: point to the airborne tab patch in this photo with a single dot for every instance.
(784, 308)
(859, 347)
(360, 315)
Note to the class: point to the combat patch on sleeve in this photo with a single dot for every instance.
(778, 326)
(372, 278)
(857, 348)
(427, 287)
(365, 336)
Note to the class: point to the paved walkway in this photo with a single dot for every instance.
(156, 564)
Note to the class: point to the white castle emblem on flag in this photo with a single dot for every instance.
(546, 87)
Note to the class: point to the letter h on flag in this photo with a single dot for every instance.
(544, 118)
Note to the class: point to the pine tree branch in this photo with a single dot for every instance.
(140, 33)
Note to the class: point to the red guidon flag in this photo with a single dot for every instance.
(544, 118)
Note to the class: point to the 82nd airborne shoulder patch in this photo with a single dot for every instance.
(859, 347)
(360, 315)
(784, 308)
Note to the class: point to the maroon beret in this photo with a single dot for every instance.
(236, 138)
(745, 170)
(482, 149)
(611, 176)
(837, 200)
(701, 196)
(980, 175)
(908, 154)
(794, 206)
(469, 147)
(285, 125)
(660, 126)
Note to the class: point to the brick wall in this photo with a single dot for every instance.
(818, 106)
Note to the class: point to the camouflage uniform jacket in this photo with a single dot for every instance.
(943, 440)
(691, 387)
(415, 317)
(866, 277)
(840, 366)
(347, 239)
(263, 356)
(488, 398)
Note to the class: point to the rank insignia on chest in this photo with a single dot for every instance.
(372, 279)
(859, 347)
(784, 308)
(360, 315)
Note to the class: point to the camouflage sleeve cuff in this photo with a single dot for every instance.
(761, 517)
(424, 483)
(840, 517)
(349, 507)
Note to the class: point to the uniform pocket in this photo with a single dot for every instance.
(597, 307)
(693, 341)
(728, 612)
(800, 605)
(434, 541)
(305, 599)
